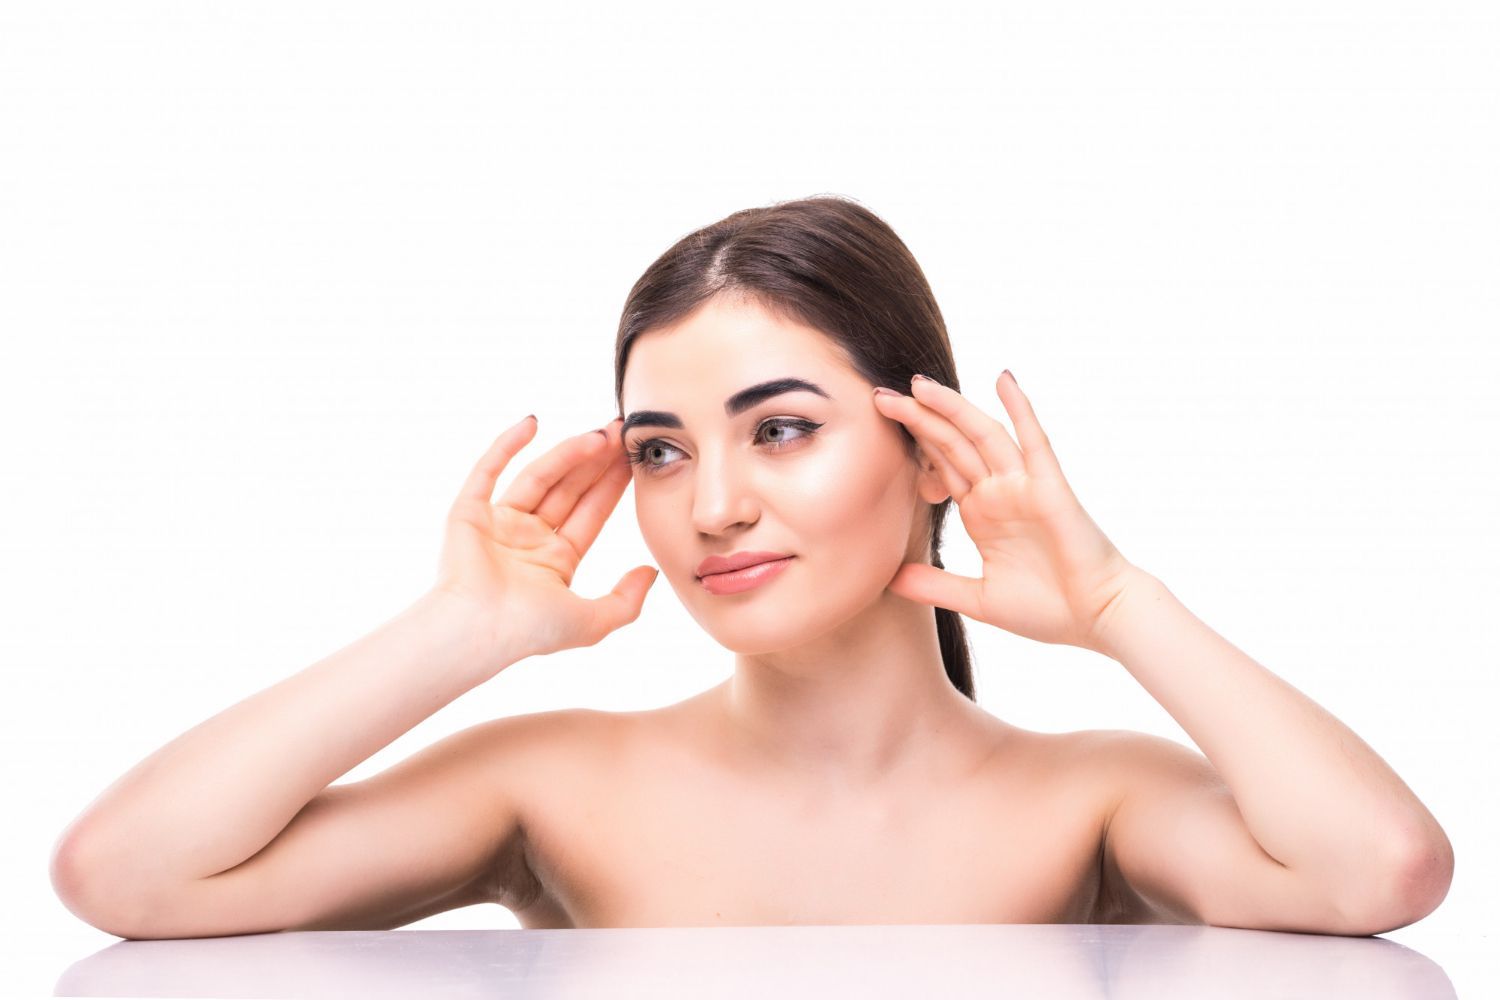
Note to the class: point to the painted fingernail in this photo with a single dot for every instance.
(924, 378)
(881, 390)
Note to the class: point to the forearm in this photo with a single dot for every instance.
(1313, 794)
(221, 791)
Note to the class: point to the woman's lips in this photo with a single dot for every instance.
(744, 579)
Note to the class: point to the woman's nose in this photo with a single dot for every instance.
(723, 496)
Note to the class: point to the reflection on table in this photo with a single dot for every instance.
(1151, 962)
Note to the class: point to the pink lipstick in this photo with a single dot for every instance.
(739, 580)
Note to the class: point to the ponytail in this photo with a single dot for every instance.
(952, 638)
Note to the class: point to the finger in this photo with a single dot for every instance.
(953, 481)
(929, 423)
(481, 482)
(622, 605)
(929, 585)
(1038, 447)
(593, 509)
(558, 503)
(984, 432)
(531, 485)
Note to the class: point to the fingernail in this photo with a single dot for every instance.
(881, 390)
(924, 378)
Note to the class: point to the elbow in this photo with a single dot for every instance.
(89, 891)
(69, 873)
(1412, 886)
(77, 886)
(1424, 876)
(74, 885)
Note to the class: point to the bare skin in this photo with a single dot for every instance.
(837, 777)
(572, 818)
(657, 820)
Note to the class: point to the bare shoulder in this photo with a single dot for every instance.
(1072, 758)
(1081, 771)
(540, 751)
(525, 761)
(551, 729)
(1122, 761)
(1125, 762)
(1125, 758)
(1082, 777)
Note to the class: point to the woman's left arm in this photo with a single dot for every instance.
(1313, 794)
(1292, 822)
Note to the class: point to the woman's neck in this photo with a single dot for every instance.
(855, 707)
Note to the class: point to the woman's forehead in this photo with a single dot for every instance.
(710, 358)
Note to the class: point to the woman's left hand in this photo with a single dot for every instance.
(1050, 574)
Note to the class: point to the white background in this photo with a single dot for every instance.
(272, 276)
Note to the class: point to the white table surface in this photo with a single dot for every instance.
(943, 961)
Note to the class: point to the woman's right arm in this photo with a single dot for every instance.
(215, 797)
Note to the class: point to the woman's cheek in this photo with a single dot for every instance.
(861, 502)
(654, 523)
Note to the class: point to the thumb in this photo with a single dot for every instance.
(622, 605)
(926, 584)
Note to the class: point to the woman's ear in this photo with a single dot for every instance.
(930, 484)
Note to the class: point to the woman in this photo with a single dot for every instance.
(769, 415)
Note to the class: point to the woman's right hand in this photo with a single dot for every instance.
(510, 563)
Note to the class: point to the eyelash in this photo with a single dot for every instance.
(637, 455)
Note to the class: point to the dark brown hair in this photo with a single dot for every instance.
(831, 264)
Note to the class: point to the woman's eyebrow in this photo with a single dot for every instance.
(733, 406)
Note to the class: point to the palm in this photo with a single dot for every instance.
(499, 547)
(1048, 570)
(505, 559)
(1041, 554)
(512, 561)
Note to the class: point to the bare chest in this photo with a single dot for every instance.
(661, 839)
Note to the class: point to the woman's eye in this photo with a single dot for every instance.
(639, 455)
(772, 432)
(781, 427)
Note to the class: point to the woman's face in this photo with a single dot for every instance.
(823, 479)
